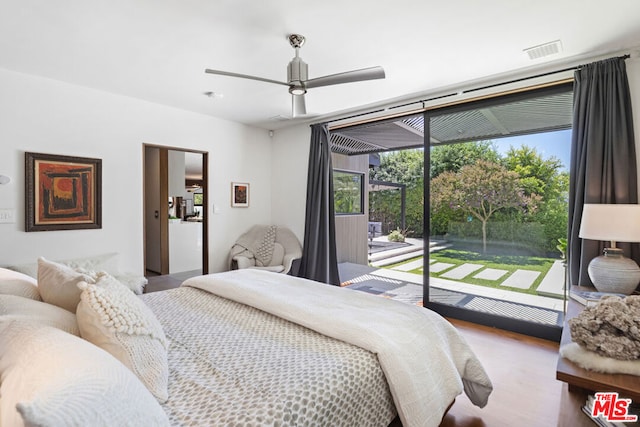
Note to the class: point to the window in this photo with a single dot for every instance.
(348, 192)
(197, 199)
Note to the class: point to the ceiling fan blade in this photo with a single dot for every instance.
(298, 107)
(244, 76)
(371, 73)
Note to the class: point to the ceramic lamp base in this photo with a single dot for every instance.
(612, 272)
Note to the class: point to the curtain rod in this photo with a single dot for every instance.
(423, 101)
(577, 67)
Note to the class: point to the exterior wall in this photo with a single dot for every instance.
(352, 230)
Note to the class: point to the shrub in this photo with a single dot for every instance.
(396, 236)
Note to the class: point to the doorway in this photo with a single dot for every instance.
(175, 211)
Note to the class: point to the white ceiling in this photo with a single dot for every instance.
(157, 50)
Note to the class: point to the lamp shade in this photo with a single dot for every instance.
(610, 222)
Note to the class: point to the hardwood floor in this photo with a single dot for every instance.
(522, 369)
(167, 281)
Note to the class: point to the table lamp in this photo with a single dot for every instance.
(612, 272)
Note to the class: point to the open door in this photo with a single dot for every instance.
(175, 211)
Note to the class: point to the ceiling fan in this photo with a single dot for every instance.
(298, 81)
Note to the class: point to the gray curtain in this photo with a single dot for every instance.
(319, 260)
(603, 155)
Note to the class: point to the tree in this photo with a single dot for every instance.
(537, 175)
(454, 157)
(480, 189)
(545, 178)
(402, 167)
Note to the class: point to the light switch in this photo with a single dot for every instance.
(7, 216)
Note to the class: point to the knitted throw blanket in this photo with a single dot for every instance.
(264, 252)
(257, 243)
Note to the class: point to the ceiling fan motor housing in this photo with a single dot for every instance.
(297, 72)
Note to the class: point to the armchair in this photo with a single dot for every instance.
(266, 247)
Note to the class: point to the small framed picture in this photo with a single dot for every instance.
(62, 192)
(239, 195)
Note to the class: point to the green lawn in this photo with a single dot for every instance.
(510, 263)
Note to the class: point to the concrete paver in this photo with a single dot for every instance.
(521, 279)
(461, 271)
(553, 283)
(408, 266)
(491, 274)
(440, 266)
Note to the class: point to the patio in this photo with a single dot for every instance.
(397, 283)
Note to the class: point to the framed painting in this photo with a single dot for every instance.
(62, 192)
(239, 195)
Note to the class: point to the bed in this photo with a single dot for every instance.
(250, 347)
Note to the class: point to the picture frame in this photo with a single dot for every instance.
(62, 192)
(239, 194)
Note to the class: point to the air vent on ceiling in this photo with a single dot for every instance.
(543, 50)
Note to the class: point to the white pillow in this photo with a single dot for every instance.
(15, 283)
(113, 318)
(53, 378)
(58, 284)
(40, 312)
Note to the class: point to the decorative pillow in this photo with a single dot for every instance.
(15, 283)
(116, 320)
(40, 312)
(58, 284)
(53, 378)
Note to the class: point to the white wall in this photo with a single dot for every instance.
(47, 116)
(290, 160)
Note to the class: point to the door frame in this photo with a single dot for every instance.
(164, 213)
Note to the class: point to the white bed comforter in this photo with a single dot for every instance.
(425, 360)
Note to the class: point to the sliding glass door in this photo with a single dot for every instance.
(497, 209)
